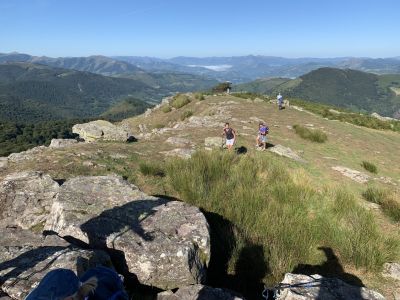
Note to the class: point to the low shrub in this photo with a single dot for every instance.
(179, 101)
(315, 135)
(199, 96)
(370, 167)
(166, 109)
(389, 202)
(151, 169)
(186, 115)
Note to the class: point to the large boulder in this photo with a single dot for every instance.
(166, 244)
(302, 287)
(26, 199)
(25, 258)
(101, 130)
(199, 292)
(61, 143)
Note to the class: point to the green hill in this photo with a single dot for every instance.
(350, 89)
(31, 93)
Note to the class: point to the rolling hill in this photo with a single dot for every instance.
(31, 93)
(347, 88)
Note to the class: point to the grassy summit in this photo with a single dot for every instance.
(268, 214)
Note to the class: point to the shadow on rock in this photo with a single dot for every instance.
(250, 266)
(330, 268)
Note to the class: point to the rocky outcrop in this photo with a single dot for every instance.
(391, 270)
(184, 153)
(61, 143)
(25, 258)
(166, 244)
(26, 155)
(352, 174)
(301, 287)
(286, 152)
(214, 142)
(26, 199)
(199, 292)
(101, 130)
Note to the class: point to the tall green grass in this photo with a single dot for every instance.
(279, 211)
(370, 167)
(315, 135)
(389, 202)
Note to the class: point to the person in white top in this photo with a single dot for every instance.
(280, 101)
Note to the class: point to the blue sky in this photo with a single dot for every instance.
(167, 28)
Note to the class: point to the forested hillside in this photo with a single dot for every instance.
(35, 93)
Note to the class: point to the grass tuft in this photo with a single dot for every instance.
(186, 114)
(370, 167)
(151, 169)
(199, 96)
(389, 202)
(315, 135)
(180, 100)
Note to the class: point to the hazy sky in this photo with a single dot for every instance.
(166, 28)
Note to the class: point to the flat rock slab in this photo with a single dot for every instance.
(26, 199)
(184, 153)
(25, 258)
(101, 130)
(214, 142)
(199, 292)
(391, 270)
(286, 152)
(352, 174)
(178, 141)
(312, 287)
(61, 143)
(166, 244)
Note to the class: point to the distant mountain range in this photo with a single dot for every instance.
(347, 88)
(247, 68)
(163, 82)
(31, 93)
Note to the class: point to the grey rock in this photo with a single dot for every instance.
(165, 244)
(286, 152)
(3, 162)
(101, 130)
(379, 117)
(391, 270)
(25, 258)
(26, 155)
(178, 141)
(213, 142)
(61, 143)
(352, 174)
(26, 199)
(317, 287)
(184, 153)
(199, 292)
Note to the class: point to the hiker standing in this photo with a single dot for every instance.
(262, 135)
(280, 101)
(230, 136)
